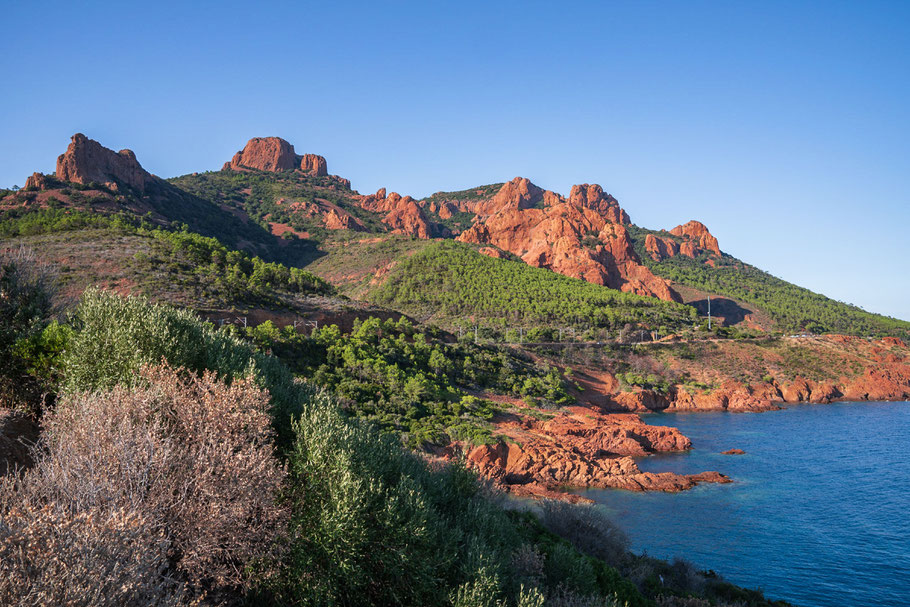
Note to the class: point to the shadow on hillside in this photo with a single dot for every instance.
(729, 310)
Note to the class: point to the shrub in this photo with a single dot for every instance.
(588, 528)
(95, 557)
(26, 296)
(191, 456)
(116, 336)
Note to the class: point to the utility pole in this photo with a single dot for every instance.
(709, 312)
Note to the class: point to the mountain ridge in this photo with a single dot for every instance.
(300, 212)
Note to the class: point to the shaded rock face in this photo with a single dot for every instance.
(87, 161)
(403, 215)
(583, 237)
(275, 154)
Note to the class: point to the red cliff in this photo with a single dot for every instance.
(275, 154)
(583, 237)
(403, 214)
(699, 234)
(87, 161)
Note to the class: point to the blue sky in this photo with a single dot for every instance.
(783, 126)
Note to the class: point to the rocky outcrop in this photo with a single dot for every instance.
(696, 232)
(403, 214)
(583, 237)
(593, 197)
(691, 239)
(583, 448)
(336, 219)
(313, 164)
(274, 154)
(87, 161)
(36, 181)
(519, 193)
(733, 452)
(661, 248)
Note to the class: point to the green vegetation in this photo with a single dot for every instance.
(232, 275)
(211, 273)
(453, 284)
(259, 194)
(793, 308)
(409, 382)
(348, 518)
(26, 294)
(460, 220)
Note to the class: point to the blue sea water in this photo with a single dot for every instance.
(818, 513)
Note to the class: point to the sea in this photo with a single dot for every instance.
(818, 513)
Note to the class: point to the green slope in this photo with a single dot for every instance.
(455, 286)
(793, 308)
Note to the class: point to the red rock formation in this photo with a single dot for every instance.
(577, 237)
(403, 214)
(733, 452)
(519, 193)
(266, 154)
(337, 219)
(583, 448)
(36, 181)
(661, 248)
(87, 161)
(697, 231)
(275, 154)
(593, 197)
(311, 163)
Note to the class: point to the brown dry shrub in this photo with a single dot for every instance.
(91, 558)
(191, 455)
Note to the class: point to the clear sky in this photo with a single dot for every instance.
(783, 126)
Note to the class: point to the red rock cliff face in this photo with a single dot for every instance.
(275, 154)
(311, 163)
(696, 239)
(87, 161)
(583, 237)
(697, 232)
(403, 214)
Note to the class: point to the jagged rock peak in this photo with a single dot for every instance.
(87, 161)
(275, 154)
(592, 196)
(697, 231)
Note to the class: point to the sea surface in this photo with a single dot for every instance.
(818, 513)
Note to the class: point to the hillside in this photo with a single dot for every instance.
(453, 285)
(792, 308)
(285, 207)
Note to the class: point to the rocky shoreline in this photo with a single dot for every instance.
(593, 446)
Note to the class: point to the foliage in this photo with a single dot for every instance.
(450, 281)
(408, 382)
(793, 308)
(373, 524)
(232, 275)
(26, 294)
(116, 336)
(277, 197)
